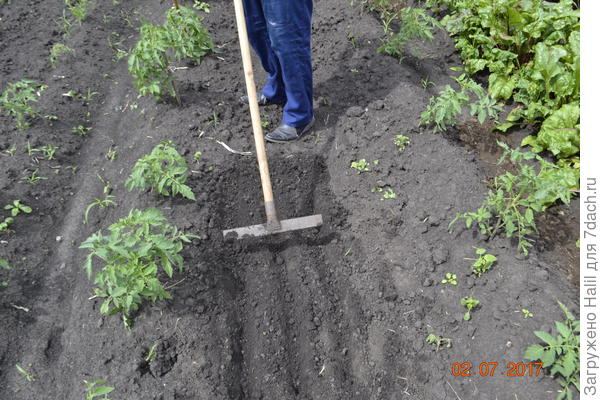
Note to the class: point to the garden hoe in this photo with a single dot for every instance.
(273, 225)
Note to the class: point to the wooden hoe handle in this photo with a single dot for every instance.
(261, 154)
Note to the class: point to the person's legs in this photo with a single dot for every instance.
(289, 29)
(261, 43)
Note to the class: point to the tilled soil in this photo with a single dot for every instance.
(339, 312)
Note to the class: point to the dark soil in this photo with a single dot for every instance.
(339, 312)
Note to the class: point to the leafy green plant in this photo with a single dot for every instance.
(401, 142)
(202, 6)
(132, 253)
(182, 35)
(64, 24)
(560, 353)
(444, 109)
(438, 341)
(483, 263)
(197, 156)
(57, 51)
(470, 304)
(16, 207)
(34, 178)
(526, 313)
(531, 50)
(81, 130)
(102, 203)
(93, 390)
(164, 170)
(79, 8)
(414, 23)
(5, 225)
(4, 264)
(361, 166)
(513, 200)
(17, 100)
(48, 151)
(30, 377)
(450, 279)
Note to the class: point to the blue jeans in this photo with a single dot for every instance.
(280, 31)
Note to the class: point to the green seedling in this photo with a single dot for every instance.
(79, 8)
(27, 375)
(57, 51)
(64, 24)
(438, 341)
(560, 353)
(425, 83)
(202, 6)
(483, 263)
(388, 193)
(183, 35)
(11, 151)
(16, 207)
(34, 178)
(197, 156)
(164, 170)
(131, 254)
(401, 142)
(360, 166)
(513, 199)
(264, 124)
(151, 353)
(5, 225)
(102, 203)
(4, 264)
(111, 154)
(214, 120)
(93, 390)
(526, 313)
(413, 23)
(17, 101)
(450, 279)
(81, 130)
(470, 304)
(48, 151)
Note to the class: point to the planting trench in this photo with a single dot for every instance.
(339, 312)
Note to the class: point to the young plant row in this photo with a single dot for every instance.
(136, 248)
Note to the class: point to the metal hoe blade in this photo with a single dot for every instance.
(287, 225)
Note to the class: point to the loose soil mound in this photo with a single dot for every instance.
(339, 312)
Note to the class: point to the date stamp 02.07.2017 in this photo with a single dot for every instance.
(497, 369)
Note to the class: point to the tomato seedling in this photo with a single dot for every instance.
(17, 101)
(164, 170)
(438, 341)
(470, 304)
(131, 254)
(450, 279)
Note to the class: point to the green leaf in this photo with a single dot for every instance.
(534, 352)
(563, 329)
(560, 133)
(4, 264)
(102, 390)
(546, 337)
(501, 87)
(548, 358)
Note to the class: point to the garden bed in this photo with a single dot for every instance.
(340, 312)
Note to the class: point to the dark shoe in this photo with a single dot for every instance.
(285, 133)
(262, 101)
